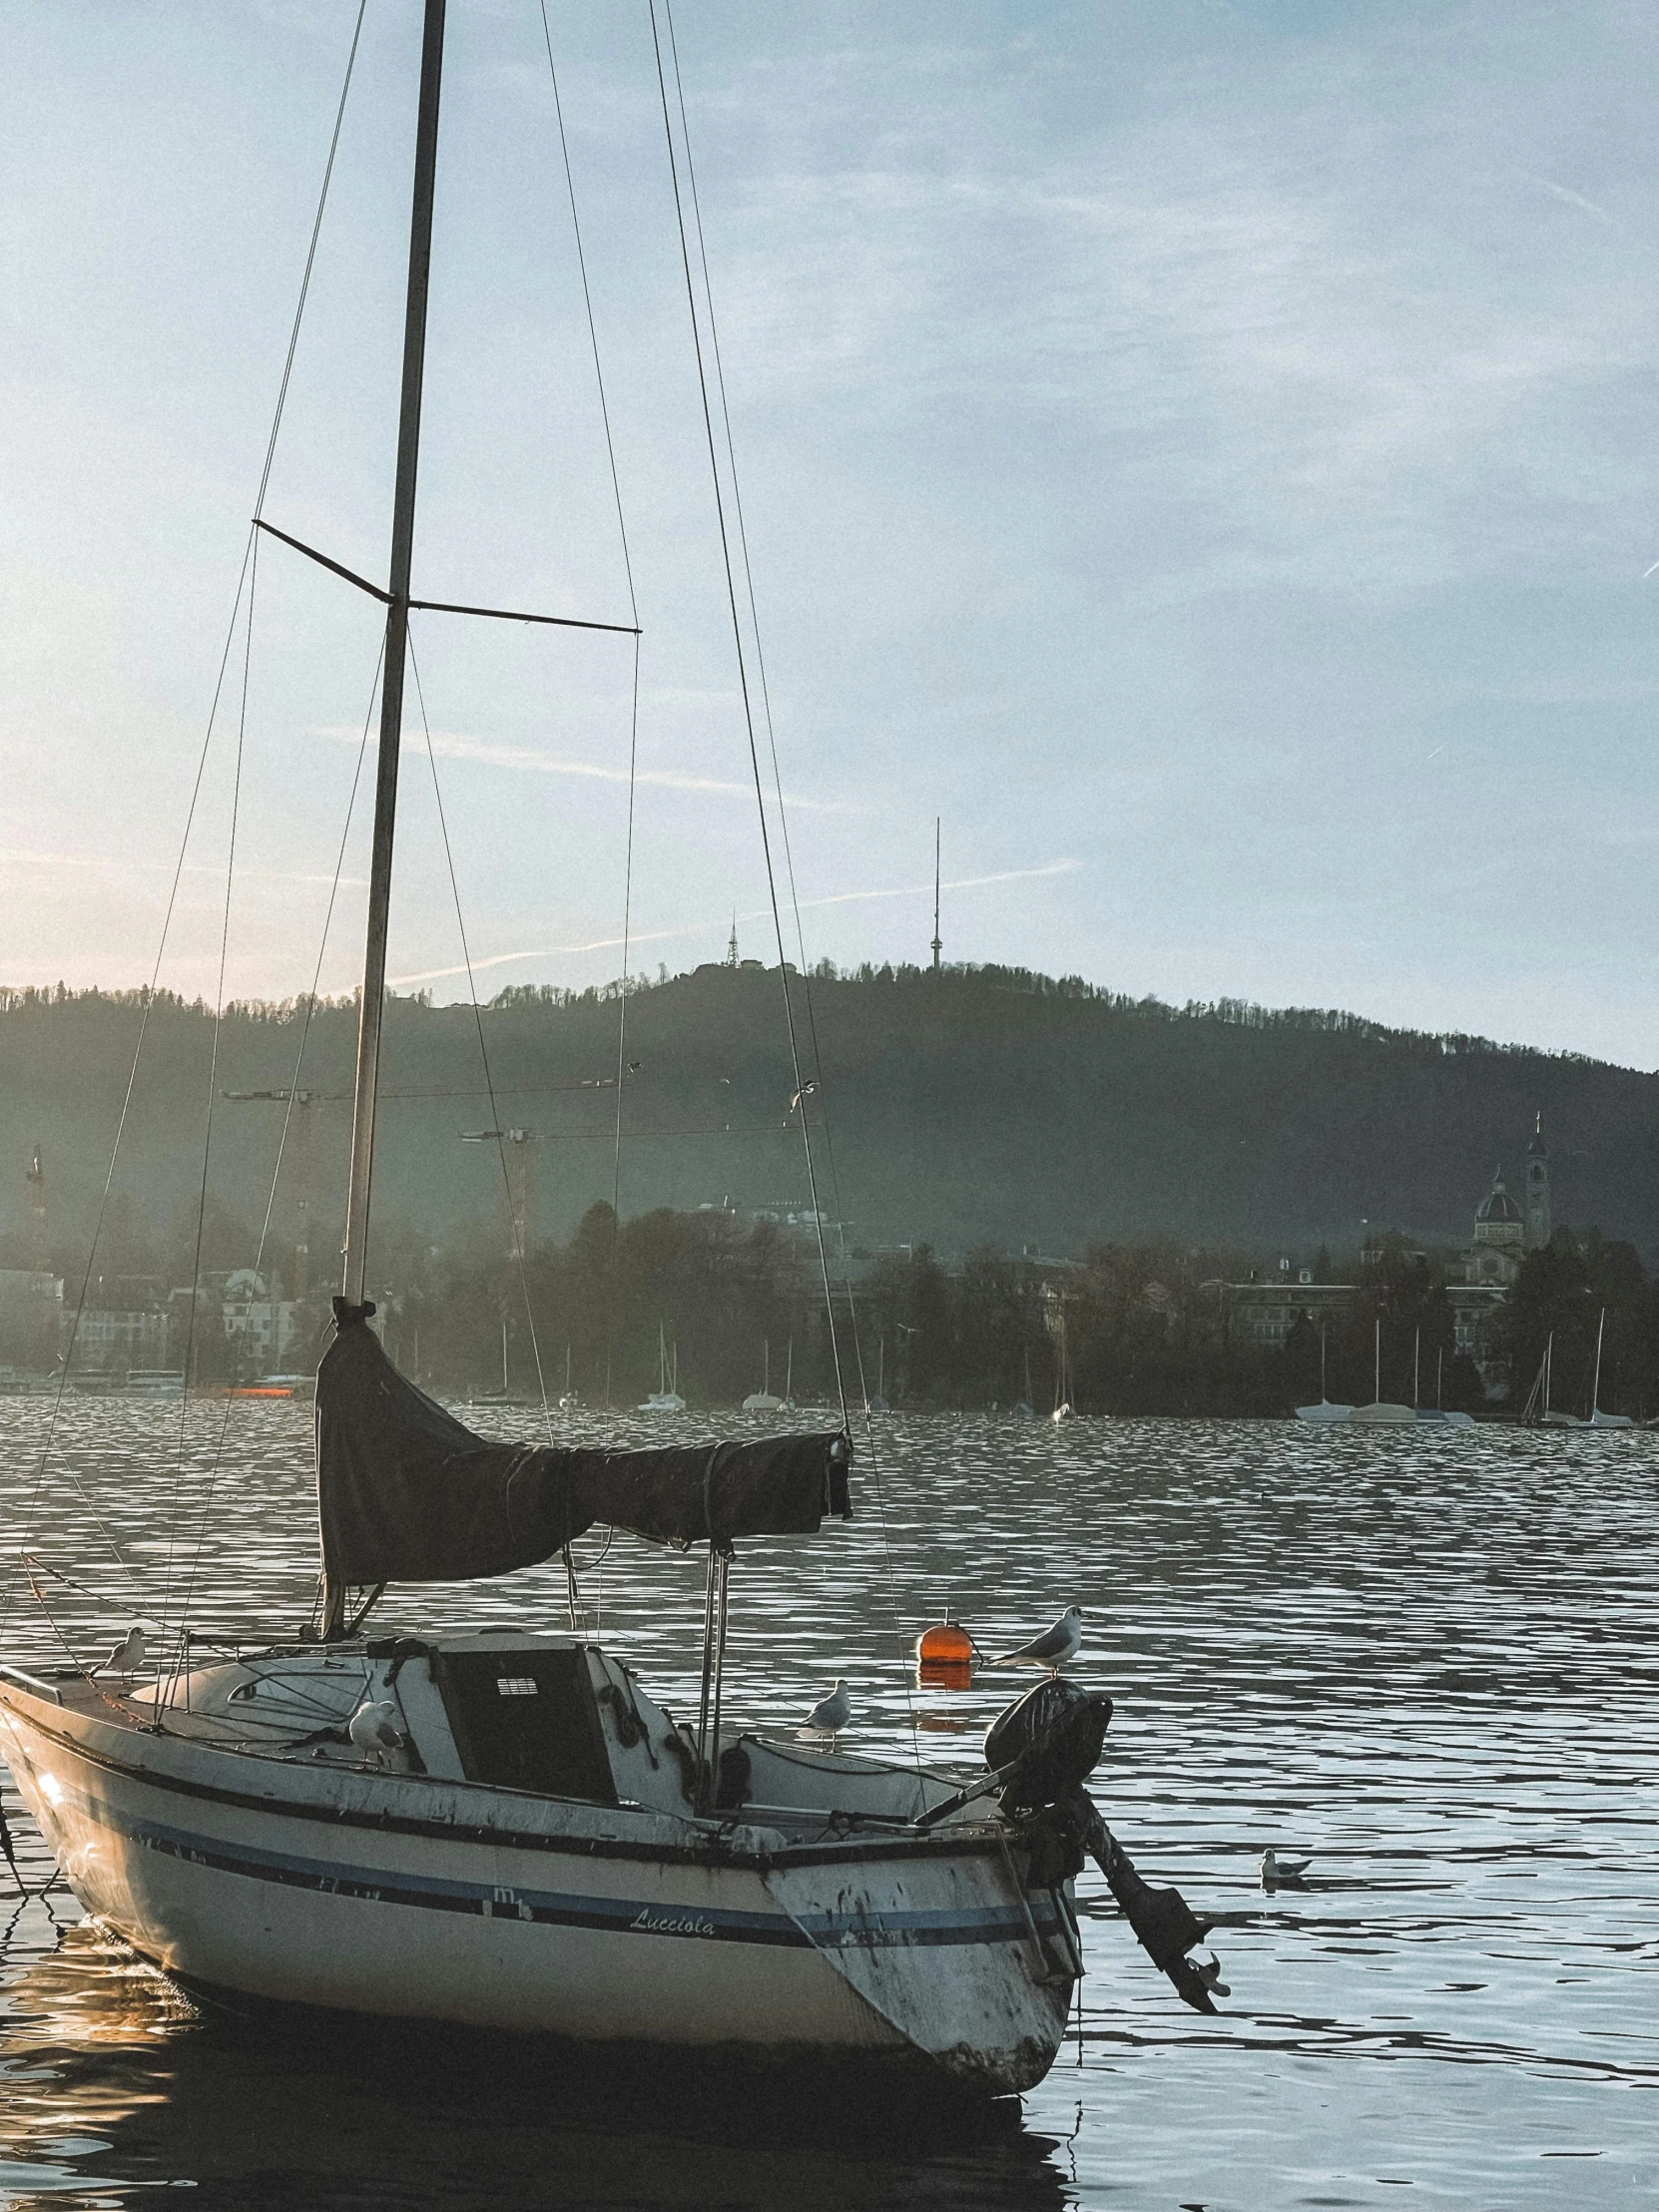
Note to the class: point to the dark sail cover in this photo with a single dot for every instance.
(406, 1493)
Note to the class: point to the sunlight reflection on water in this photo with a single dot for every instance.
(1429, 1659)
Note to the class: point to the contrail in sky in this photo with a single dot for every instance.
(696, 929)
(490, 755)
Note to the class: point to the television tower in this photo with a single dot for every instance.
(732, 948)
(938, 941)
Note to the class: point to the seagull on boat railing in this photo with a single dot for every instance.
(128, 1656)
(373, 1728)
(830, 1714)
(1274, 1869)
(1051, 1649)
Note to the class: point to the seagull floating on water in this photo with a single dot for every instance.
(127, 1655)
(1053, 1648)
(1274, 1869)
(830, 1714)
(373, 1728)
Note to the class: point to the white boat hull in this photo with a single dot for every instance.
(404, 1897)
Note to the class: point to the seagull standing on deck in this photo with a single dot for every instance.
(127, 1655)
(373, 1728)
(1051, 1649)
(830, 1714)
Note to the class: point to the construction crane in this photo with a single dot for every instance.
(518, 1180)
(40, 1250)
(303, 1149)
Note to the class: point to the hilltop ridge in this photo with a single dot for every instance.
(976, 1106)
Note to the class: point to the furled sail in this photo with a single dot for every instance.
(407, 1493)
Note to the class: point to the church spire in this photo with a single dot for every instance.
(1538, 1222)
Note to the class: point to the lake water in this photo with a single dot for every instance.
(1429, 1659)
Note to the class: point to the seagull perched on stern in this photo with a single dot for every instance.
(830, 1714)
(1051, 1649)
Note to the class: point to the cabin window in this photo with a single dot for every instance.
(536, 1728)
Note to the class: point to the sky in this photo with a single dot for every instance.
(1203, 452)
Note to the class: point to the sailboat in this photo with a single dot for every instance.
(1436, 1414)
(762, 1400)
(1325, 1410)
(665, 1399)
(1380, 1412)
(500, 1828)
(1024, 1409)
(1062, 1375)
(1599, 1419)
(879, 1403)
(569, 1396)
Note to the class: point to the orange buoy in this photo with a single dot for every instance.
(944, 1655)
(946, 1643)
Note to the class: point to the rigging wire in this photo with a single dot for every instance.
(634, 716)
(515, 1215)
(213, 1090)
(788, 862)
(748, 723)
(148, 995)
(282, 1142)
(518, 1217)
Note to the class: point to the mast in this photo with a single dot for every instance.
(355, 1254)
(1595, 1387)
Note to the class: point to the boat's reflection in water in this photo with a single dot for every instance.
(116, 2080)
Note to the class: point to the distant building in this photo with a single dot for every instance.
(1498, 1245)
(31, 1310)
(1539, 1224)
(259, 1327)
(1264, 1311)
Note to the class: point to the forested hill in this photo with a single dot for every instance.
(977, 1107)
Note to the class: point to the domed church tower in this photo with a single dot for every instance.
(1499, 1235)
(1537, 1190)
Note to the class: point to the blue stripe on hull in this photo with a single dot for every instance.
(608, 1916)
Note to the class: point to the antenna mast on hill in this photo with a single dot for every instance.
(732, 948)
(938, 941)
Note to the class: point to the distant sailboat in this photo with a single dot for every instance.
(665, 1399)
(1382, 1412)
(569, 1398)
(1599, 1419)
(1435, 1413)
(1062, 1377)
(879, 1403)
(762, 1400)
(1024, 1409)
(1324, 1411)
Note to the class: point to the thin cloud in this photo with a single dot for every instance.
(762, 914)
(15, 856)
(1575, 199)
(490, 755)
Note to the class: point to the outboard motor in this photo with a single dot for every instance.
(1053, 1737)
(1044, 1748)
